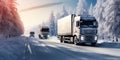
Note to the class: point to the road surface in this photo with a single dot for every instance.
(50, 50)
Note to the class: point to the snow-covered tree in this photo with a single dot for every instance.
(98, 13)
(10, 23)
(91, 10)
(63, 13)
(52, 24)
(112, 17)
(82, 8)
(98, 10)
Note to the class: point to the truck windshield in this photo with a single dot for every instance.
(86, 24)
(45, 30)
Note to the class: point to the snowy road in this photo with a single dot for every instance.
(50, 50)
(24, 48)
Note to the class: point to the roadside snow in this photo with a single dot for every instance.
(53, 39)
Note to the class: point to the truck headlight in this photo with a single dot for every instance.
(48, 35)
(82, 37)
(41, 35)
(96, 37)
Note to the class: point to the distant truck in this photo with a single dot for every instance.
(44, 32)
(32, 34)
(78, 29)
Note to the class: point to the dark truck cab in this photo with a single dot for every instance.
(88, 30)
(44, 32)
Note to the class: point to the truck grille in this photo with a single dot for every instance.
(89, 32)
(89, 38)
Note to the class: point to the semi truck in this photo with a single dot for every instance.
(44, 32)
(78, 29)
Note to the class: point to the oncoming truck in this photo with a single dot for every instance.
(78, 29)
(44, 32)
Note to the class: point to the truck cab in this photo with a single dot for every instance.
(85, 29)
(44, 32)
(77, 29)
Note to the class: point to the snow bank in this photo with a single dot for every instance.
(107, 43)
(53, 39)
(110, 45)
(50, 39)
(12, 48)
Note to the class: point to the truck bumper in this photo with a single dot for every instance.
(88, 39)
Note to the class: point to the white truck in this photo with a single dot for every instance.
(44, 32)
(78, 29)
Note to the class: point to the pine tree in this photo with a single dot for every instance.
(112, 17)
(64, 12)
(91, 10)
(98, 13)
(82, 8)
(52, 24)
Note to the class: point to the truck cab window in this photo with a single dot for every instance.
(45, 29)
(85, 24)
(77, 23)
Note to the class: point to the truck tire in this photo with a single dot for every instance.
(61, 39)
(75, 40)
(40, 37)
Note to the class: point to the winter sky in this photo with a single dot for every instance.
(35, 17)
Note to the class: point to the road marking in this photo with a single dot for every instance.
(29, 48)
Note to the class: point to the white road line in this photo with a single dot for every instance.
(29, 48)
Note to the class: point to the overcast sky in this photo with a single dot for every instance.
(37, 16)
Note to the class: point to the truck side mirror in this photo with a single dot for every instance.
(96, 24)
(77, 23)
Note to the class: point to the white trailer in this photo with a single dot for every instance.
(65, 26)
(77, 29)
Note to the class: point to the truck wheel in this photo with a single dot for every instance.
(75, 40)
(61, 39)
(40, 37)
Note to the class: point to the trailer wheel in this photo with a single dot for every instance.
(75, 40)
(61, 39)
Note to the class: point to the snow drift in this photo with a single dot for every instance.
(10, 23)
